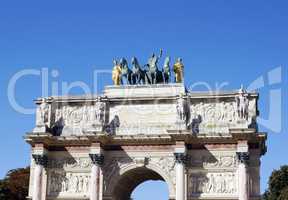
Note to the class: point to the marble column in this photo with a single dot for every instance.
(243, 158)
(97, 161)
(40, 162)
(180, 159)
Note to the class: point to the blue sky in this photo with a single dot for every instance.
(220, 41)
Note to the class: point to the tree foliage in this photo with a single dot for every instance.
(278, 185)
(15, 185)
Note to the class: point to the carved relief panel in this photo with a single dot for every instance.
(76, 119)
(218, 116)
(64, 183)
(68, 176)
(212, 173)
(212, 183)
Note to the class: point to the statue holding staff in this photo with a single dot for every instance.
(179, 70)
(116, 73)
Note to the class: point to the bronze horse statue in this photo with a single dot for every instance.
(126, 73)
(166, 70)
(138, 74)
(154, 74)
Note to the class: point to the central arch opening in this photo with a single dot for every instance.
(152, 190)
(139, 184)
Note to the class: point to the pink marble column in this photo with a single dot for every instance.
(97, 161)
(40, 161)
(180, 159)
(243, 158)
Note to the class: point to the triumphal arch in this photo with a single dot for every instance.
(204, 145)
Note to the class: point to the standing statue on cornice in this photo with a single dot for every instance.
(42, 113)
(242, 103)
(153, 73)
(116, 73)
(179, 71)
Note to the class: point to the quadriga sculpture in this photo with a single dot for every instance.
(149, 73)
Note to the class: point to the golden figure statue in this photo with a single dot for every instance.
(179, 71)
(116, 73)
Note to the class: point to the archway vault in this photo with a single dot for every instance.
(133, 175)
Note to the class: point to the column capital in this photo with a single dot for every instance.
(180, 158)
(243, 157)
(40, 159)
(97, 159)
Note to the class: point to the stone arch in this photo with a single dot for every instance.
(132, 175)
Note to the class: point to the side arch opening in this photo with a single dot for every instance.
(131, 179)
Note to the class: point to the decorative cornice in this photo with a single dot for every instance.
(169, 138)
(40, 159)
(243, 157)
(97, 159)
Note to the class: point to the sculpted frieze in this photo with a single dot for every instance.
(212, 161)
(76, 119)
(219, 116)
(69, 163)
(212, 183)
(65, 183)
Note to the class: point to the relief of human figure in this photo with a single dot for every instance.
(223, 184)
(211, 184)
(231, 184)
(230, 113)
(100, 108)
(74, 183)
(85, 113)
(71, 183)
(218, 179)
(64, 183)
(182, 109)
(81, 184)
(86, 184)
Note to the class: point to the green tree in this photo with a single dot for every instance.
(278, 185)
(4, 191)
(283, 194)
(15, 185)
